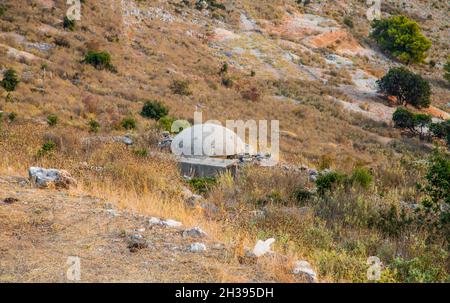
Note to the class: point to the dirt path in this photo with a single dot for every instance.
(42, 228)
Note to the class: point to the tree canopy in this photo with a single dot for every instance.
(401, 37)
(407, 87)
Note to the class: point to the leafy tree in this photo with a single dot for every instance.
(401, 37)
(421, 121)
(154, 110)
(407, 87)
(441, 130)
(10, 80)
(447, 70)
(403, 118)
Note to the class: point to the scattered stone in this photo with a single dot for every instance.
(410, 206)
(194, 200)
(136, 242)
(262, 247)
(43, 177)
(195, 232)
(313, 174)
(141, 230)
(108, 205)
(296, 211)
(197, 247)
(218, 246)
(303, 269)
(166, 140)
(10, 200)
(113, 213)
(258, 214)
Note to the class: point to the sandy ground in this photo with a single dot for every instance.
(42, 228)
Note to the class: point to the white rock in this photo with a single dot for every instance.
(154, 221)
(171, 223)
(303, 268)
(197, 247)
(43, 177)
(263, 247)
(195, 232)
(113, 213)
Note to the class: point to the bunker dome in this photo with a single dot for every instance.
(208, 140)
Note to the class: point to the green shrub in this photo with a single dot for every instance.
(12, 116)
(166, 122)
(99, 60)
(181, 87)
(61, 41)
(302, 195)
(224, 69)
(407, 87)
(401, 37)
(69, 24)
(422, 269)
(447, 70)
(52, 120)
(140, 152)
(361, 177)
(329, 181)
(154, 110)
(437, 190)
(46, 148)
(3, 10)
(227, 81)
(10, 80)
(202, 185)
(348, 21)
(94, 126)
(128, 123)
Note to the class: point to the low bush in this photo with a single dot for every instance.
(154, 110)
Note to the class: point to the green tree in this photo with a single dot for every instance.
(154, 110)
(421, 121)
(10, 80)
(407, 87)
(401, 37)
(403, 118)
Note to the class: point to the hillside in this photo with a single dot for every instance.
(312, 67)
